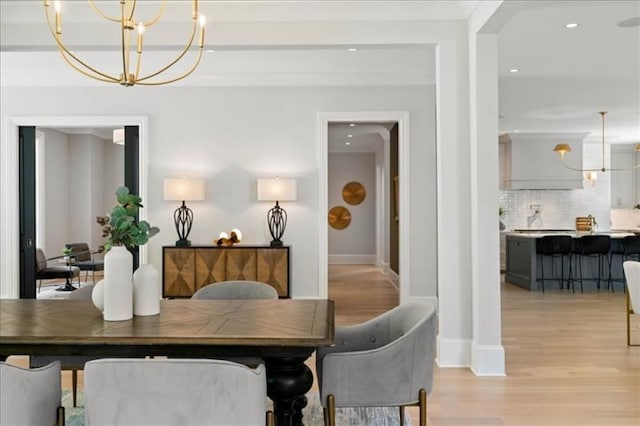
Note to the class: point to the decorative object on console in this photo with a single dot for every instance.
(122, 233)
(353, 193)
(127, 23)
(563, 148)
(224, 240)
(276, 189)
(183, 189)
(339, 217)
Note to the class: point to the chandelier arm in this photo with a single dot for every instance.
(102, 14)
(159, 83)
(180, 56)
(63, 50)
(637, 166)
(108, 79)
(124, 46)
(158, 16)
(133, 9)
(575, 168)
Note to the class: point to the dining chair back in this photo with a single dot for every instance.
(386, 361)
(174, 392)
(30, 396)
(236, 290)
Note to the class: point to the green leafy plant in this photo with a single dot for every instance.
(120, 227)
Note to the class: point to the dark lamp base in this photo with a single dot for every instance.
(276, 243)
(183, 243)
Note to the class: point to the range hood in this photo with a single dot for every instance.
(532, 164)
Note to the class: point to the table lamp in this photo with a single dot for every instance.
(183, 189)
(276, 189)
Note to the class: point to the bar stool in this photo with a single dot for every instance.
(554, 246)
(592, 246)
(628, 249)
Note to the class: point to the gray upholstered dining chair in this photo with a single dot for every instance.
(31, 396)
(632, 274)
(68, 362)
(236, 290)
(386, 361)
(175, 392)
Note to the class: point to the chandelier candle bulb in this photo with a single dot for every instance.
(140, 33)
(203, 22)
(58, 7)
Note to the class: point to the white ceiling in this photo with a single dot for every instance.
(566, 76)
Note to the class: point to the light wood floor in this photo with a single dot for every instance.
(566, 356)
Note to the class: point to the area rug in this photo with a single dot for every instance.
(374, 416)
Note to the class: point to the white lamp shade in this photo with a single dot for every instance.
(118, 136)
(183, 189)
(276, 189)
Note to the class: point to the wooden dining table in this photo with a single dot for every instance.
(284, 333)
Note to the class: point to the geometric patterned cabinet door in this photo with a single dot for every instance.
(187, 269)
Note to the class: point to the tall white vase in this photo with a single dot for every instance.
(146, 291)
(118, 284)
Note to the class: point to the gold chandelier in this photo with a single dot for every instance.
(130, 74)
(563, 148)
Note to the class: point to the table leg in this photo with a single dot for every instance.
(288, 380)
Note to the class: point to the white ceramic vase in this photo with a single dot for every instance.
(146, 291)
(118, 284)
(97, 295)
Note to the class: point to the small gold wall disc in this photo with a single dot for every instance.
(353, 193)
(339, 217)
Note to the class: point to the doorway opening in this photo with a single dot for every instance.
(11, 245)
(390, 203)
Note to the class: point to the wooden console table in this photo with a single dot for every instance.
(187, 269)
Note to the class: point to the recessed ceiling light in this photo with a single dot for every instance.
(349, 136)
(352, 124)
(514, 70)
(347, 143)
(352, 49)
(209, 50)
(572, 25)
(516, 131)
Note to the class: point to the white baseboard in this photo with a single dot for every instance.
(453, 353)
(488, 360)
(352, 259)
(395, 278)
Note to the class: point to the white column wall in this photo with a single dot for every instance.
(454, 268)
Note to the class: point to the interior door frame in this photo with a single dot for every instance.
(9, 190)
(402, 118)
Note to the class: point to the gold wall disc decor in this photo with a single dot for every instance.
(353, 193)
(339, 217)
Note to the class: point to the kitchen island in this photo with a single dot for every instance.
(523, 266)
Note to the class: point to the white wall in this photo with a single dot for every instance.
(56, 181)
(231, 136)
(359, 237)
